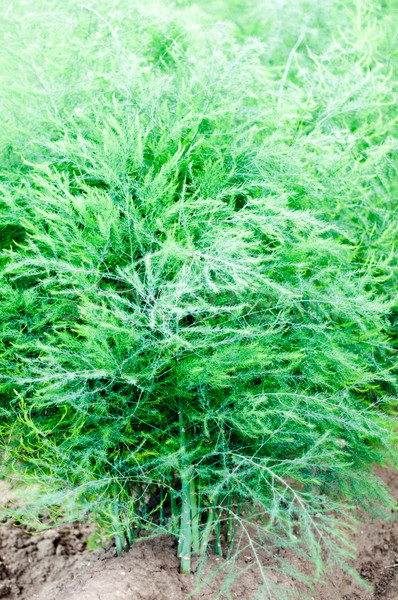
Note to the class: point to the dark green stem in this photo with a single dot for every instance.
(194, 517)
(217, 528)
(185, 541)
(207, 530)
(161, 511)
(233, 534)
(120, 539)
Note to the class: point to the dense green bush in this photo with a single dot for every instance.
(198, 268)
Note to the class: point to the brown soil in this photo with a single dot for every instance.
(56, 565)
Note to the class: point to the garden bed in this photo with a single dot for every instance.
(56, 564)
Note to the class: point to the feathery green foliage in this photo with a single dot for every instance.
(198, 270)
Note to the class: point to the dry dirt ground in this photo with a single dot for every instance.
(56, 565)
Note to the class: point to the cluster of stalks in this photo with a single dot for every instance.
(175, 506)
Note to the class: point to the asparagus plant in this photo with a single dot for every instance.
(195, 340)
